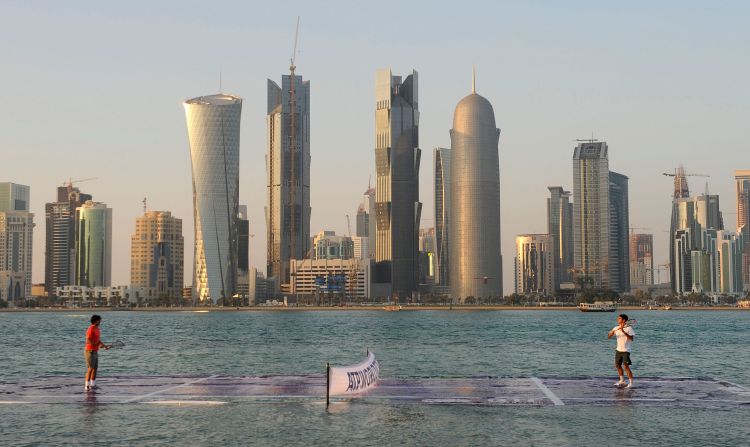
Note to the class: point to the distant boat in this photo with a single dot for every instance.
(598, 306)
(392, 308)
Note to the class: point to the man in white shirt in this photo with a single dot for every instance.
(625, 334)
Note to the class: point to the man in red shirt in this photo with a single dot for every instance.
(93, 343)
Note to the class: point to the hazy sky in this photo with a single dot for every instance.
(94, 89)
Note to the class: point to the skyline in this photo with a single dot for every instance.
(660, 92)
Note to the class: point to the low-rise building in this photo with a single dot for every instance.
(347, 278)
(94, 296)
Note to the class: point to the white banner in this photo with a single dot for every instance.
(355, 379)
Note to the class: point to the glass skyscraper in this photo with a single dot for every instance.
(213, 124)
(288, 167)
(442, 166)
(93, 245)
(397, 207)
(475, 255)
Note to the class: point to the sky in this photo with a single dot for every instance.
(95, 89)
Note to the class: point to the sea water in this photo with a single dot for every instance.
(408, 344)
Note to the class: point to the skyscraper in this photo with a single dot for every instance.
(243, 252)
(475, 256)
(60, 253)
(680, 191)
(366, 222)
(619, 254)
(157, 256)
(591, 214)
(213, 124)
(641, 259)
(742, 186)
(93, 245)
(696, 221)
(560, 230)
(442, 166)
(397, 206)
(534, 264)
(16, 242)
(288, 164)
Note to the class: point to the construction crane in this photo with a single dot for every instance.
(70, 182)
(675, 174)
(293, 150)
(349, 225)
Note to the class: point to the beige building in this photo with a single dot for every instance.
(157, 256)
(534, 265)
(348, 279)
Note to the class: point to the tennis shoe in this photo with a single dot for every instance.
(629, 385)
(620, 384)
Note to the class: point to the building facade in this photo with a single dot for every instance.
(16, 242)
(60, 253)
(475, 254)
(93, 262)
(397, 207)
(534, 265)
(641, 260)
(288, 168)
(344, 279)
(619, 224)
(742, 188)
(213, 124)
(697, 221)
(442, 189)
(326, 245)
(157, 256)
(560, 230)
(591, 215)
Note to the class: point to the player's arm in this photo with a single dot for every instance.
(611, 333)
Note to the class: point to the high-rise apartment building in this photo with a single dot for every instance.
(93, 264)
(591, 214)
(326, 245)
(534, 265)
(442, 188)
(475, 254)
(60, 254)
(157, 256)
(641, 260)
(288, 166)
(213, 124)
(427, 258)
(560, 230)
(366, 220)
(619, 223)
(696, 221)
(397, 207)
(243, 252)
(16, 242)
(742, 187)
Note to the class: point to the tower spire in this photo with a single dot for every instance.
(473, 78)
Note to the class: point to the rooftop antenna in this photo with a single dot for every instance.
(145, 206)
(473, 79)
(221, 90)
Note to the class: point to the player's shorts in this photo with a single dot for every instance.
(92, 359)
(622, 357)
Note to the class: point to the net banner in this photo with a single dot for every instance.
(354, 379)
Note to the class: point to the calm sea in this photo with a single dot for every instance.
(425, 343)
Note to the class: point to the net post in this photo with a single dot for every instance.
(328, 384)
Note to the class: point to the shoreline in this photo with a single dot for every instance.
(379, 308)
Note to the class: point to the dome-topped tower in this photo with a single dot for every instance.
(475, 260)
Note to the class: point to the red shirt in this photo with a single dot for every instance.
(93, 334)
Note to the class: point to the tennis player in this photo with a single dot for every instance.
(93, 343)
(625, 335)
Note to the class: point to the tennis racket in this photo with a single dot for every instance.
(117, 344)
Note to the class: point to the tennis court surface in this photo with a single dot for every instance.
(487, 391)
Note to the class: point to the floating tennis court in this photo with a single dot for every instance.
(486, 391)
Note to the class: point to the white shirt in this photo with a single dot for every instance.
(623, 343)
